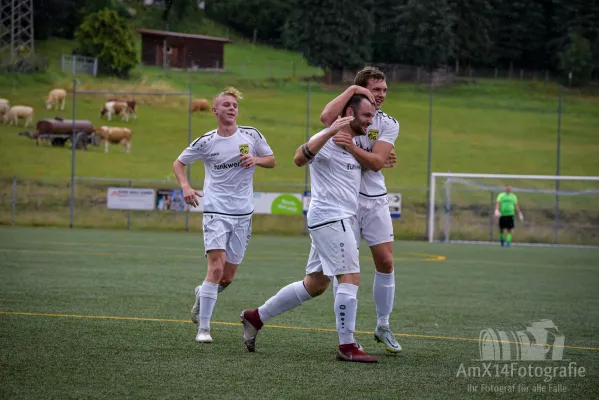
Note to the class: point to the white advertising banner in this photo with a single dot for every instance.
(264, 203)
(130, 199)
(394, 204)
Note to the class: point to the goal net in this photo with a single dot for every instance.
(557, 210)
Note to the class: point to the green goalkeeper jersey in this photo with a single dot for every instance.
(507, 204)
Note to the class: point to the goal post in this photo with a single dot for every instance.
(558, 210)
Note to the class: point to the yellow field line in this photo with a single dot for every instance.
(296, 328)
(190, 257)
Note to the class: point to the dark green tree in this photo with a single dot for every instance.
(424, 31)
(580, 16)
(331, 34)
(577, 59)
(473, 29)
(519, 34)
(61, 18)
(385, 17)
(267, 17)
(110, 38)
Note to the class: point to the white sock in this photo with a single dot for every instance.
(335, 286)
(208, 293)
(286, 299)
(346, 308)
(383, 290)
(220, 289)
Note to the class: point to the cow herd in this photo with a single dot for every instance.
(114, 107)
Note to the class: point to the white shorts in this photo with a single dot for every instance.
(373, 221)
(333, 250)
(229, 234)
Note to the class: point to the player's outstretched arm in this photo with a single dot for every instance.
(189, 194)
(334, 108)
(307, 151)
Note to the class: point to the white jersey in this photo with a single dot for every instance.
(383, 128)
(228, 187)
(335, 176)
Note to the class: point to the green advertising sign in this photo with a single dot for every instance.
(286, 204)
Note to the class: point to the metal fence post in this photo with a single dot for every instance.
(430, 152)
(557, 172)
(74, 68)
(73, 150)
(62, 63)
(95, 66)
(189, 140)
(491, 211)
(14, 200)
(129, 212)
(306, 169)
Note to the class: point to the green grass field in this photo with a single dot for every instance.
(105, 314)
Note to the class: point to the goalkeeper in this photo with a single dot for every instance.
(507, 203)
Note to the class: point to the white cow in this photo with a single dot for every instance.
(15, 112)
(54, 97)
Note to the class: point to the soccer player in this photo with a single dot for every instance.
(507, 202)
(336, 177)
(373, 217)
(230, 155)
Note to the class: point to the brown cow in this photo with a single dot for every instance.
(200, 105)
(130, 106)
(115, 108)
(115, 136)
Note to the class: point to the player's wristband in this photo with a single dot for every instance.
(307, 153)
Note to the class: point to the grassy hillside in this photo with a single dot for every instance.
(491, 127)
(494, 127)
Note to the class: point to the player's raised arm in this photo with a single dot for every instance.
(334, 108)
(308, 150)
(374, 160)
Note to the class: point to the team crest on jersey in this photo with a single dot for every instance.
(373, 134)
(244, 148)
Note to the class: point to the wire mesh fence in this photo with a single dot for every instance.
(47, 202)
(446, 115)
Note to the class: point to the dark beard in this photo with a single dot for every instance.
(356, 127)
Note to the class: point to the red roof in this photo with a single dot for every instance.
(183, 35)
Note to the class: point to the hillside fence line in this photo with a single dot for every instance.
(85, 201)
(49, 202)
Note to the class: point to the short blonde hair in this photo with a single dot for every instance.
(230, 91)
